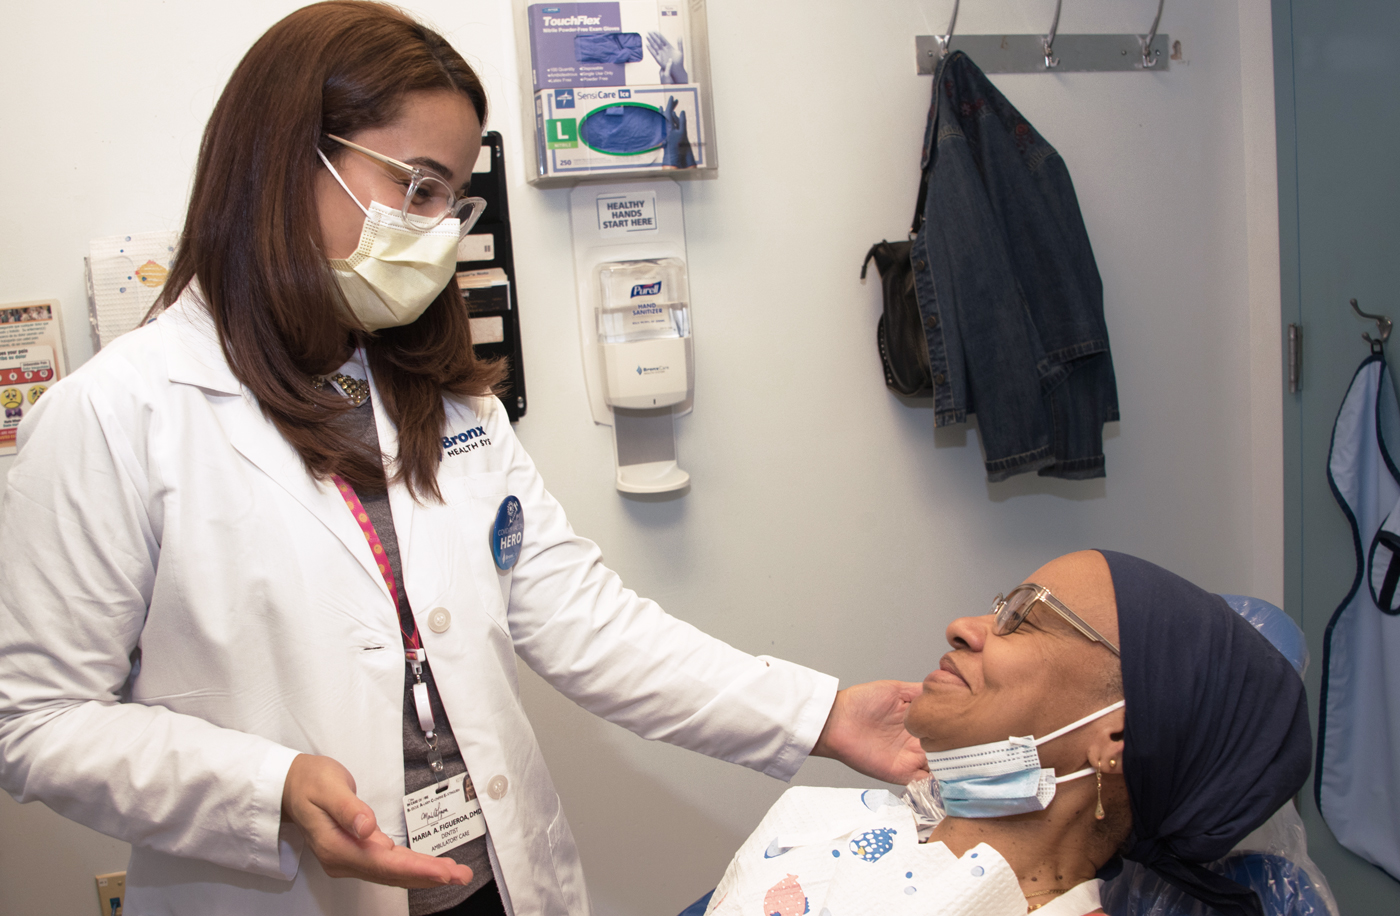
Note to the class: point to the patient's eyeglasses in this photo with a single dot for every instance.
(1012, 610)
(427, 199)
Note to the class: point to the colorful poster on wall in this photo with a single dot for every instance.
(32, 358)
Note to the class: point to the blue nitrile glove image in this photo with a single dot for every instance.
(609, 48)
(670, 59)
(624, 129)
(678, 154)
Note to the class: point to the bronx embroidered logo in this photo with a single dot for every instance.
(464, 442)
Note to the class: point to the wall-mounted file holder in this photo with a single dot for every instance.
(486, 276)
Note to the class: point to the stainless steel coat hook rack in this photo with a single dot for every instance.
(1383, 326)
(1050, 52)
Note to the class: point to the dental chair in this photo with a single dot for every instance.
(1272, 860)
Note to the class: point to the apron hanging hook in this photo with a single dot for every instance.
(1383, 326)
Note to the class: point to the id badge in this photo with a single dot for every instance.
(443, 816)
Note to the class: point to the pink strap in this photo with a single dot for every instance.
(357, 509)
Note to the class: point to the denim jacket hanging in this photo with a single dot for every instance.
(1008, 289)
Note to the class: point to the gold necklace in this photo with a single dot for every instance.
(357, 390)
(1056, 890)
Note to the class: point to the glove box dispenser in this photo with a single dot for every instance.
(616, 89)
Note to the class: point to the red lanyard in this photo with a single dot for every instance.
(411, 639)
(413, 644)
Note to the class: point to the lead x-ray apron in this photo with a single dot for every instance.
(1357, 779)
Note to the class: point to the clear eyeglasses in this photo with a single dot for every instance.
(427, 199)
(1012, 610)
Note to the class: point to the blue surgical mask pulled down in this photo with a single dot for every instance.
(1003, 777)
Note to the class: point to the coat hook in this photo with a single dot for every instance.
(944, 39)
(1148, 61)
(1383, 325)
(1047, 42)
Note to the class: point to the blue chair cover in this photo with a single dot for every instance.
(698, 907)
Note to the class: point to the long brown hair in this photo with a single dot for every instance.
(251, 238)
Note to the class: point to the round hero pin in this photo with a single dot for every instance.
(508, 533)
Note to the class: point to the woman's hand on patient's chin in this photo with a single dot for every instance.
(319, 797)
(865, 730)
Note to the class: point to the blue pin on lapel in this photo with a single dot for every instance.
(508, 533)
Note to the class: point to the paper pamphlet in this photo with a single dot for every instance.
(125, 275)
(32, 357)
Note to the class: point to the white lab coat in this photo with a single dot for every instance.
(152, 505)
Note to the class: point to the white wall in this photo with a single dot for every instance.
(827, 521)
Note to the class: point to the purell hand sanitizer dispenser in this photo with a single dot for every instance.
(634, 319)
(644, 331)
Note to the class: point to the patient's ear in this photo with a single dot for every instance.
(1105, 751)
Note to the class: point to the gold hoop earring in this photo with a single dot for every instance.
(1098, 809)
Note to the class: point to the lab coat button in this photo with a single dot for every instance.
(497, 787)
(439, 620)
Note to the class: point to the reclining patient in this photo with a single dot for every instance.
(1165, 727)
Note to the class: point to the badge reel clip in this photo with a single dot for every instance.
(634, 317)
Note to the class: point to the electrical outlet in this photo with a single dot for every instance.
(111, 891)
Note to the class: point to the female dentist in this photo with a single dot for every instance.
(288, 525)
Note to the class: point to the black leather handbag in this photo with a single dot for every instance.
(900, 334)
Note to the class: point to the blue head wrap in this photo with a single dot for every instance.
(1216, 737)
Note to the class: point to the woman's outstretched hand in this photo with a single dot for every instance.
(865, 731)
(319, 797)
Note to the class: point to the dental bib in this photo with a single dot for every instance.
(848, 852)
(1002, 777)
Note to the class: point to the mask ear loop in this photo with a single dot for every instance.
(1078, 774)
(341, 181)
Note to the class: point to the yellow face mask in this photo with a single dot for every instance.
(396, 271)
